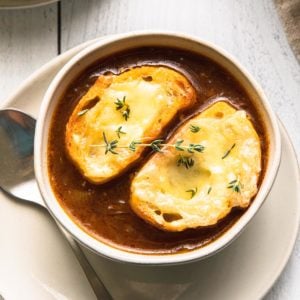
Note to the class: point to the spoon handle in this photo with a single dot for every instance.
(96, 284)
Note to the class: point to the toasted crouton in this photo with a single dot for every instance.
(176, 190)
(133, 106)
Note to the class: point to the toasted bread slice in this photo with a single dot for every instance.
(174, 194)
(133, 106)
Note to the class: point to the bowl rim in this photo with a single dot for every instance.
(111, 252)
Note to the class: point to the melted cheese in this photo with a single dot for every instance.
(161, 191)
(153, 95)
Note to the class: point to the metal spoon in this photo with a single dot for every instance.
(17, 178)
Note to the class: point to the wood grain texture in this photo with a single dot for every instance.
(289, 10)
(28, 39)
(250, 30)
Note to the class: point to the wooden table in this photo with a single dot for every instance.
(250, 30)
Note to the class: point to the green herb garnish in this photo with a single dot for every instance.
(193, 192)
(126, 113)
(119, 131)
(133, 144)
(124, 107)
(120, 103)
(177, 145)
(155, 145)
(110, 146)
(228, 151)
(185, 161)
(209, 190)
(235, 185)
(195, 147)
(194, 128)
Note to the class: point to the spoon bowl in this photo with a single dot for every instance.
(16, 155)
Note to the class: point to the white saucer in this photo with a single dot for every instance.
(36, 262)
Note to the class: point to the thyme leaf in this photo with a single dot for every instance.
(156, 145)
(177, 145)
(122, 105)
(193, 192)
(185, 161)
(194, 128)
(132, 145)
(209, 190)
(110, 146)
(119, 131)
(195, 147)
(228, 151)
(235, 185)
(126, 113)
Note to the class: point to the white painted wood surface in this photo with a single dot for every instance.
(250, 30)
(28, 39)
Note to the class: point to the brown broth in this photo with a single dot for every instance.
(103, 211)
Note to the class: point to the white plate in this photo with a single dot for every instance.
(36, 262)
(24, 3)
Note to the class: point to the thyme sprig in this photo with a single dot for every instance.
(193, 192)
(235, 185)
(123, 107)
(156, 146)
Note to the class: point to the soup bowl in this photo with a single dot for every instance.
(119, 43)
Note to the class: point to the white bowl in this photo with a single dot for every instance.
(123, 42)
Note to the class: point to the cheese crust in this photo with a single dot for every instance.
(152, 94)
(174, 198)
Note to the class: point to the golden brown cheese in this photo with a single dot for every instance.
(147, 97)
(173, 196)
